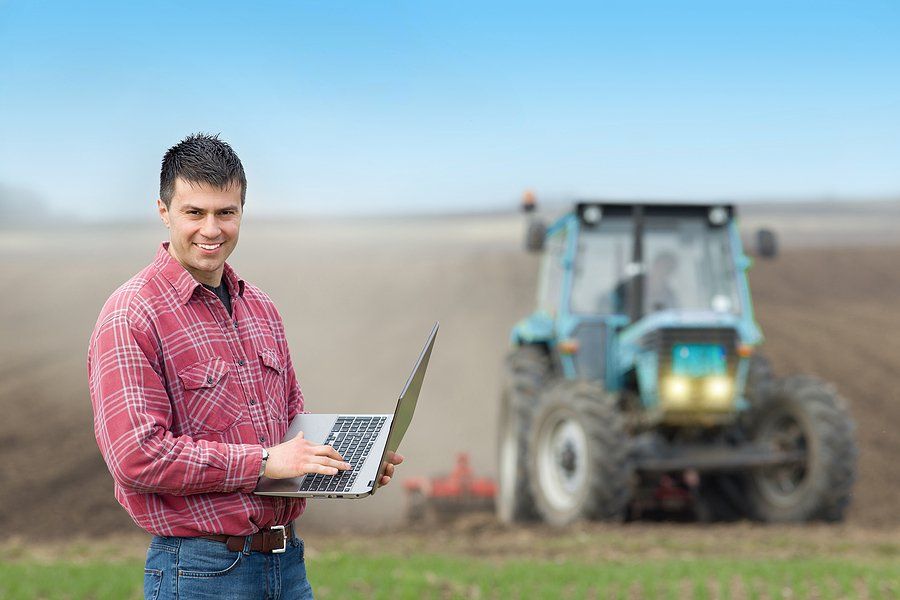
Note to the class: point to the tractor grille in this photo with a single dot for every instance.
(696, 387)
(664, 340)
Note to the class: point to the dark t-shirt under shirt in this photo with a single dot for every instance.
(222, 293)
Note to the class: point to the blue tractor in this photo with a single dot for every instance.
(637, 389)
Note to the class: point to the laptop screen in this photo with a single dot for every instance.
(406, 405)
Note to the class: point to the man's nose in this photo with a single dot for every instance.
(210, 228)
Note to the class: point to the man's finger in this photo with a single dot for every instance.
(389, 470)
(385, 480)
(327, 450)
(330, 462)
(395, 458)
(321, 469)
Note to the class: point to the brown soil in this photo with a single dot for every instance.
(593, 543)
(355, 322)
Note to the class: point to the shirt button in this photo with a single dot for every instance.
(262, 438)
(208, 379)
(235, 324)
(252, 402)
(241, 362)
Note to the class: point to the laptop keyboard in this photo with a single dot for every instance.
(352, 437)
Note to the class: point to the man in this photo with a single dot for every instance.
(660, 293)
(191, 383)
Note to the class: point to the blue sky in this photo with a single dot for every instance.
(386, 107)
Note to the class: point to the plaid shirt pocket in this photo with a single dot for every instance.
(273, 380)
(210, 406)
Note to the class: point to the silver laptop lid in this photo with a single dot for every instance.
(406, 404)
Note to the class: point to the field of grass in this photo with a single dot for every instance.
(609, 562)
(342, 575)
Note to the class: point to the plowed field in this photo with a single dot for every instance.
(358, 299)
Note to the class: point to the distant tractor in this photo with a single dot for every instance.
(637, 389)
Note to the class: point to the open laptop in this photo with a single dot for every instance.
(364, 441)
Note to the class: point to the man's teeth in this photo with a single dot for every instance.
(209, 246)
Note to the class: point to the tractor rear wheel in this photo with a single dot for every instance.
(579, 455)
(527, 370)
(806, 416)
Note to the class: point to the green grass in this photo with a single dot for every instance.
(352, 575)
(70, 581)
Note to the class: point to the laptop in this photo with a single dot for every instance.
(364, 441)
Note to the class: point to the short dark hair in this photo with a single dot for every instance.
(201, 158)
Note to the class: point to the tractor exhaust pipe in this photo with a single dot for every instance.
(636, 308)
(535, 230)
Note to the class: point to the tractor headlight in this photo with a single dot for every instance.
(713, 392)
(676, 391)
(717, 391)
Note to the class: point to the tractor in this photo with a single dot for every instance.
(637, 388)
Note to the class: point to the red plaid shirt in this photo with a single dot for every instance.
(185, 397)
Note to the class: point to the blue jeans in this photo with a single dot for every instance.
(180, 568)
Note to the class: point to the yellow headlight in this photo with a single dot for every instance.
(717, 391)
(676, 391)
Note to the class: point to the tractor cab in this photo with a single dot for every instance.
(648, 296)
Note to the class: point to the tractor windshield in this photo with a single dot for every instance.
(687, 265)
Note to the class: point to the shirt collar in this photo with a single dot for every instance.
(183, 282)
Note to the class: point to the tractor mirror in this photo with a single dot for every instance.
(766, 243)
(534, 235)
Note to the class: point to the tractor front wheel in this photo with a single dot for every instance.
(579, 455)
(806, 417)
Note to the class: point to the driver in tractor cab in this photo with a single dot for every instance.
(660, 293)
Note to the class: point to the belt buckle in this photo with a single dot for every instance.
(283, 539)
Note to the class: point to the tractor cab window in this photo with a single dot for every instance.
(688, 265)
(552, 271)
(600, 280)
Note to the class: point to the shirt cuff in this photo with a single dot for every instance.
(244, 461)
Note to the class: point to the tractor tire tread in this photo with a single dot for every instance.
(835, 472)
(609, 469)
(527, 368)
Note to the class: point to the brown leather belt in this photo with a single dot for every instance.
(273, 540)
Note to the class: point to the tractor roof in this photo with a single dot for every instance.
(661, 208)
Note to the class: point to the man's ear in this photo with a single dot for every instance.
(163, 211)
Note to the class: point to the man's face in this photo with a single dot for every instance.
(203, 224)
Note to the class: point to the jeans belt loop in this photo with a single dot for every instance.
(247, 541)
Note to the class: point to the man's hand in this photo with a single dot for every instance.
(299, 456)
(393, 459)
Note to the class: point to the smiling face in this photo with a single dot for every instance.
(203, 223)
